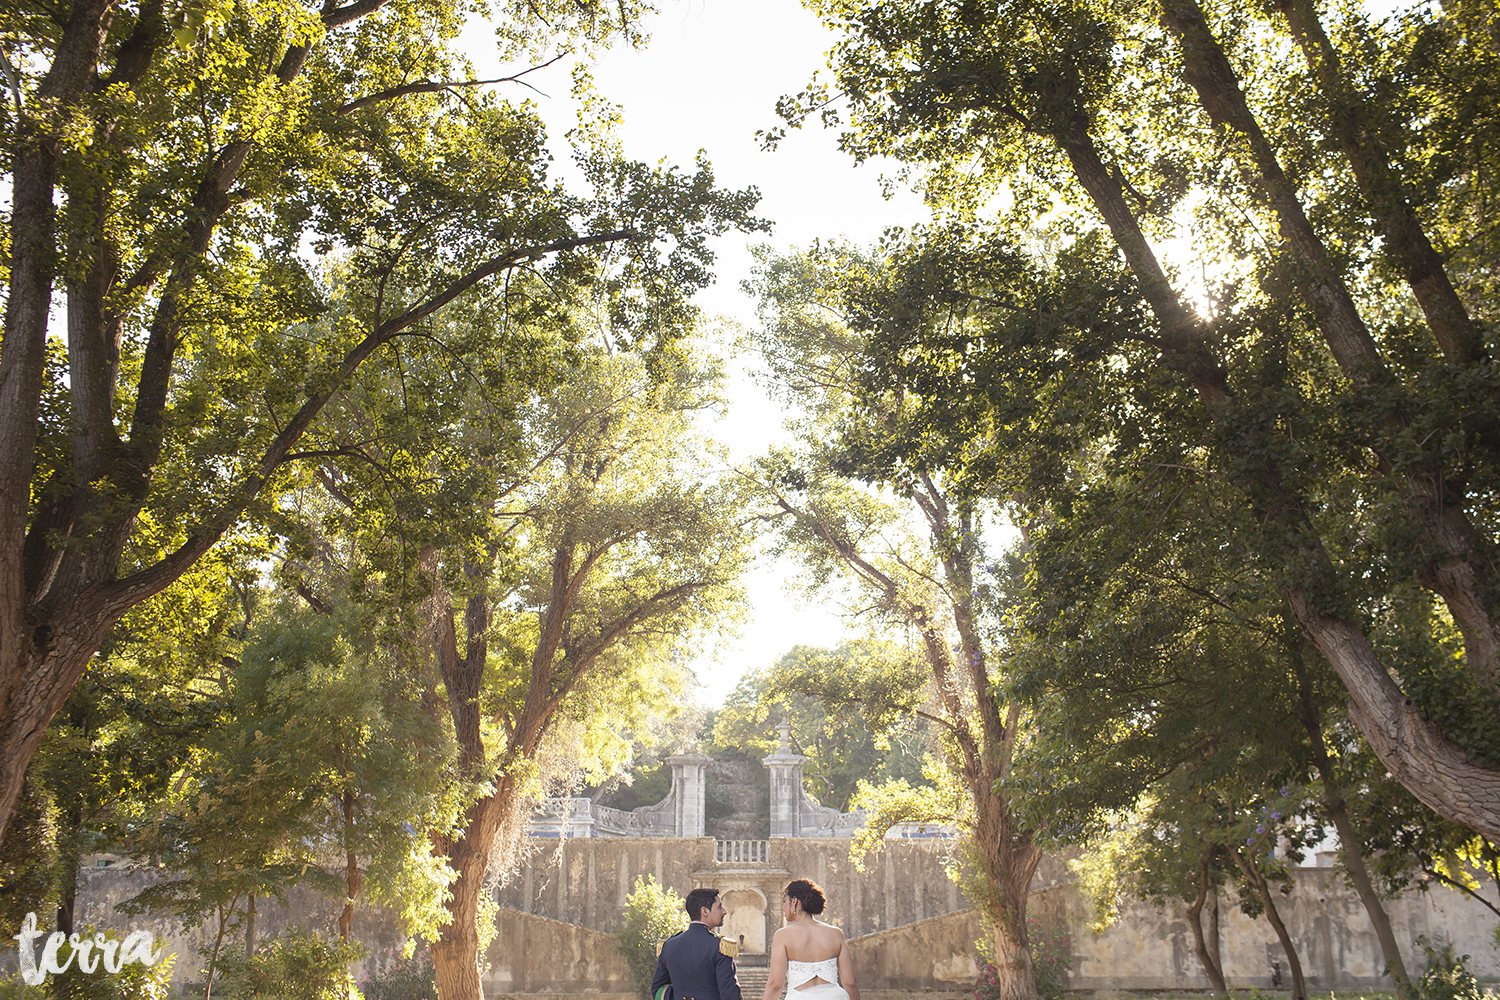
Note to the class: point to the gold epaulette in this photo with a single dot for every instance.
(729, 947)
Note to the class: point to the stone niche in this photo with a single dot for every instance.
(745, 920)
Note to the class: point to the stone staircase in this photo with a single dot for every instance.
(752, 979)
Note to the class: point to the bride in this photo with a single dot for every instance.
(808, 957)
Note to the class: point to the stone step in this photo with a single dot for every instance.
(753, 981)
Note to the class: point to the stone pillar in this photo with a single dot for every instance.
(786, 786)
(690, 791)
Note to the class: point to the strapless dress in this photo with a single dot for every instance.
(799, 973)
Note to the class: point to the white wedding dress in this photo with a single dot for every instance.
(798, 973)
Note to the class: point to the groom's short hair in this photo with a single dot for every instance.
(699, 900)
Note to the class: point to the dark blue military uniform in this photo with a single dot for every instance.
(697, 964)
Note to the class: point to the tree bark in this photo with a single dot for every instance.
(1333, 802)
(353, 880)
(1214, 936)
(1007, 861)
(455, 954)
(1206, 958)
(1406, 241)
(1299, 985)
(1434, 769)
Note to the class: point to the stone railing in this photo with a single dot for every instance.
(742, 851)
(647, 821)
(570, 817)
(818, 820)
(907, 831)
(581, 817)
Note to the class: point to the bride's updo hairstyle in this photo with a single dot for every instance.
(807, 894)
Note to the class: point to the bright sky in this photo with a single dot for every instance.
(708, 80)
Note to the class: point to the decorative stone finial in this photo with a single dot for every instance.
(785, 729)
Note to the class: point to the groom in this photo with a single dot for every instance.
(696, 964)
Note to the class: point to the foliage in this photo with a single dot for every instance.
(839, 732)
(1446, 976)
(1277, 449)
(651, 916)
(397, 976)
(325, 753)
(297, 965)
(920, 552)
(133, 981)
(28, 858)
(201, 151)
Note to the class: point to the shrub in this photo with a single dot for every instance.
(298, 965)
(1446, 976)
(397, 977)
(133, 982)
(651, 916)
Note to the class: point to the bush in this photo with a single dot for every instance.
(651, 916)
(1446, 976)
(298, 965)
(400, 978)
(133, 982)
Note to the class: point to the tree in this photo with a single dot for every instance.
(168, 164)
(1322, 401)
(940, 588)
(1188, 837)
(326, 770)
(843, 748)
(557, 628)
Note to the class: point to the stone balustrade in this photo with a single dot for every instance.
(756, 852)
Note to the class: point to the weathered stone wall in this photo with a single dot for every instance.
(533, 954)
(1149, 948)
(935, 952)
(101, 891)
(908, 926)
(585, 881)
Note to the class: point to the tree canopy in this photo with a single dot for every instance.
(238, 205)
(1337, 386)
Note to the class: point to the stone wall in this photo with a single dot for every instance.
(532, 954)
(908, 926)
(1149, 948)
(927, 954)
(585, 882)
(101, 891)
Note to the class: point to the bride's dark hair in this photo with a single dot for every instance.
(808, 894)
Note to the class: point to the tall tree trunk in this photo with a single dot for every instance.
(1434, 769)
(1461, 570)
(68, 848)
(26, 639)
(1333, 803)
(1214, 934)
(455, 954)
(352, 878)
(1208, 959)
(1253, 873)
(1007, 861)
(250, 926)
(1405, 241)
